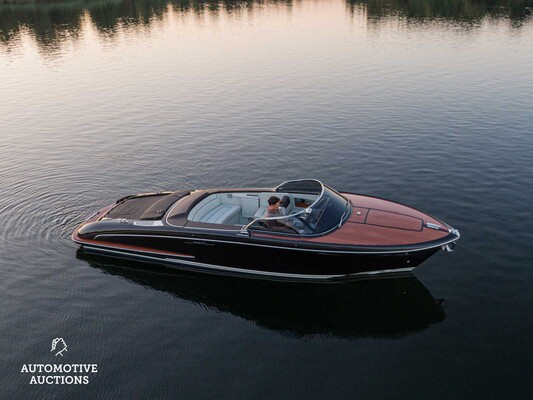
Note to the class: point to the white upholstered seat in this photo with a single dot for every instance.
(222, 214)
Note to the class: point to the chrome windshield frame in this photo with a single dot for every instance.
(301, 180)
(322, 191)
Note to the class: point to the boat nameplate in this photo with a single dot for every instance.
(433, 226)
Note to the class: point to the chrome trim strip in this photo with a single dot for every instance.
(384, 271)
(285, 248)
(255, 272)
(94, 214)
(237, 228)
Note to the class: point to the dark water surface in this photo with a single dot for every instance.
(429, 103)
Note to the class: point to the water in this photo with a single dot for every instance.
(427, 103)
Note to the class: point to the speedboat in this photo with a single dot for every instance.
(319, 234)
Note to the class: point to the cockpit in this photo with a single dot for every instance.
(326, 210)
(309, 208)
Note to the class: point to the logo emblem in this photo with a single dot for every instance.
(62, 346)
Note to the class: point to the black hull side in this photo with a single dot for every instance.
(238, 258)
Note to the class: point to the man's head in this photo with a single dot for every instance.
(273, 200)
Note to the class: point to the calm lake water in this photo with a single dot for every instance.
(428, 102)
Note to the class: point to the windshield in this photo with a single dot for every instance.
(324, 214)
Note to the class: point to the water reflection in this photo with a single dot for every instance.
(458, 11)
(52, 22)
(389, 308)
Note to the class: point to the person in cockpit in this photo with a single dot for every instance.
(274, 209)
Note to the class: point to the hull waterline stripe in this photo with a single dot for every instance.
(248, 271)
(284, 248)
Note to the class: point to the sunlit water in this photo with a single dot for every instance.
(428, 103)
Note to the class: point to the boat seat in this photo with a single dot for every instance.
(250, 205)
(260, 212)
(222, 214)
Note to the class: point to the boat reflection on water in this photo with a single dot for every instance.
(384, 308)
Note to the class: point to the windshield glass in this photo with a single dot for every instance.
(321, 216)
(326, 212)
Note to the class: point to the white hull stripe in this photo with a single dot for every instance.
(248, 271)
(281, 247)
